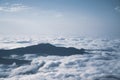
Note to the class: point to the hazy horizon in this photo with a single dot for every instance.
(60, 17)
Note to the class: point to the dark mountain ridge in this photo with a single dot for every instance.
(40, 49)
(43, 49)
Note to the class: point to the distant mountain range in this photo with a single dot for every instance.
(40, 49)
(43, 49)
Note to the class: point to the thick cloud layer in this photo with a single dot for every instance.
(103, 62)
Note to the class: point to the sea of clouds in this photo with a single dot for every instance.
(102, 62)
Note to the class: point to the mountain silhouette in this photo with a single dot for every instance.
(42, 49)
(11, 61)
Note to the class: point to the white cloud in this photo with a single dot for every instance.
(13, 8)
(75, 67)
(117, 8)
(59, 15)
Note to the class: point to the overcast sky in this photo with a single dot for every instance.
(60, 17)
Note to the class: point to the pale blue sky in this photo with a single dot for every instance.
(60, 17)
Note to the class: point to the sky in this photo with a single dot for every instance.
(60, 17)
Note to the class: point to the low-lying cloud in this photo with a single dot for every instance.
(98, 65)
